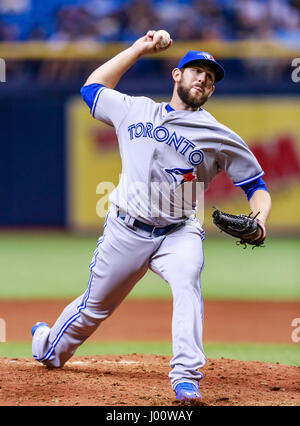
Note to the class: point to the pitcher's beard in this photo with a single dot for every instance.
(190, 100)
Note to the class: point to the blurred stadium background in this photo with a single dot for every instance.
(54, 155)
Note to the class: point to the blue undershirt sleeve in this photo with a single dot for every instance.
(89, 93)
(250, 188)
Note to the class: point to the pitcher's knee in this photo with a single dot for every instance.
(96, 313)
(187, 276)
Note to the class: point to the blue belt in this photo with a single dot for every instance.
(151, 229)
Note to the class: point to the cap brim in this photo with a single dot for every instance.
(218, 69)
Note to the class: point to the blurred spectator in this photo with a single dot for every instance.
(73, 23)
(296, 4)
(101, 8)
(9, 32)
(138, 17)
(286, 20)
(124, 20)
(209, 18)
(108, 29)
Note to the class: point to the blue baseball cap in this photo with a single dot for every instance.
(205, 58)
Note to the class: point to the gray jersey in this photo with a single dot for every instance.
(158, 147)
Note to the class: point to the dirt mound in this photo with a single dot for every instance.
(142, 380)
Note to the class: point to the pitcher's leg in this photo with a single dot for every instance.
(179, 261)
(119, 261)
(44, 342)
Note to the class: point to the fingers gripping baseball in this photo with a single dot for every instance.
(153, 42)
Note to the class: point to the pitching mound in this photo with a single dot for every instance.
(142, 380)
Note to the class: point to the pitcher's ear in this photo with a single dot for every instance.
(176, 74)
(212, 91)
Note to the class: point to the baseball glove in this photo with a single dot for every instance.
(247, 229)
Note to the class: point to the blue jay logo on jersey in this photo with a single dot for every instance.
(162, 135)
(180, 176)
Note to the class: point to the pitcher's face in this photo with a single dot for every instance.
(194, 84)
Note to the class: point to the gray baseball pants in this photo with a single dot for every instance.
(121, 259)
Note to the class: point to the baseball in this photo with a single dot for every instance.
(165, 38)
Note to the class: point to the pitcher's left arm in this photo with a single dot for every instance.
(260, 204)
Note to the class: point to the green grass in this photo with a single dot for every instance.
(55, 265)
(283, 354)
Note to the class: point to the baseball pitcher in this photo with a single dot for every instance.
(164, 147)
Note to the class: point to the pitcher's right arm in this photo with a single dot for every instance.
(109, 73)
